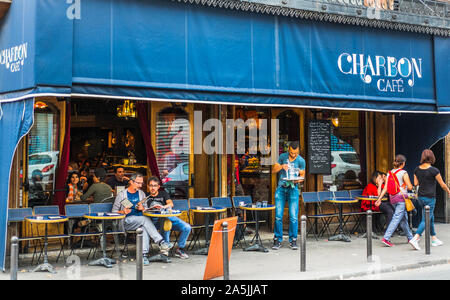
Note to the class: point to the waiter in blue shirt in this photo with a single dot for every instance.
(288, 162)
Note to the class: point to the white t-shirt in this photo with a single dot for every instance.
(399, 175)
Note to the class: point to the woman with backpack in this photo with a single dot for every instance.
(397, 186)
(426, 176)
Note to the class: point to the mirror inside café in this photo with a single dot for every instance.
(43, 153)
(105, 135)
(347, 168)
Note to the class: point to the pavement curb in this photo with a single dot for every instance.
(385, 269)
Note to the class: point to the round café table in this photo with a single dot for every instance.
(258, 245)
(104, 261)
(341, 236)
(373, 199)
(207, 212)
(46, 219)
(157, 214)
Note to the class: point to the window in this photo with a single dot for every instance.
(172, 151)
(43, 153)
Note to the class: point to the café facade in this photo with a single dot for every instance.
(141, 84)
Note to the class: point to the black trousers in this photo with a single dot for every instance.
(387, 209)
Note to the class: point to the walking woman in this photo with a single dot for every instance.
(426, 176)
(397, 185)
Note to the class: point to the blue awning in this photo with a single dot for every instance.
(16, 119)
(169, 51)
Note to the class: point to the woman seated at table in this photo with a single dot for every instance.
(73, 191)
(374, 188)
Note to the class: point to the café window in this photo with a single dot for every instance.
(251, 176)
(172, 151)
(43, 153)
(347, 167)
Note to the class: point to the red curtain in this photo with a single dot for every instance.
(144, 123)
(61, 177)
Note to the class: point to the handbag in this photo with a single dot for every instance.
(408, 203)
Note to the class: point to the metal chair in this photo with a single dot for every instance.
(222, 201)
(100, 207)
(74, 212)
(313, 198)
(46, 210)
(196, 228)
(16, 216)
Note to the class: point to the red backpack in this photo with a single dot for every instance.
(393, 187)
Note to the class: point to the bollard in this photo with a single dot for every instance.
(369, 235)
(139, 255)
(226, 270)
(427, 230)
(303, 244)
(14, 257)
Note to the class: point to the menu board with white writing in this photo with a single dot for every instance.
(319, 147)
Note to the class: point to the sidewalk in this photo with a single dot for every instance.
(324, 260)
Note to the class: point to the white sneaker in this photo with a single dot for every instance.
(414, 243)
(436, 243)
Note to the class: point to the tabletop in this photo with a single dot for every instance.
(370, 198)
(105, 216)
(342, 200)
(47, 219)
(209, 209)
(160, 215)
(268, 207)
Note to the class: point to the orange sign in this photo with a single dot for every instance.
(214, 262)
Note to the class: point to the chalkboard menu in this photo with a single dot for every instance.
(319, 147)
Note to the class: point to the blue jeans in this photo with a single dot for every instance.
(177, 225)
(400, 217)
(432, 203)
(281, 195)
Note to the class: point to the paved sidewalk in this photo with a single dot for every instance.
(325, 260)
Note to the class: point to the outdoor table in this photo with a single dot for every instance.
(104, 261)
(158, 214)
(46, 219)
(207, 211)
(257, 246)
(373, 199)
(340, 201)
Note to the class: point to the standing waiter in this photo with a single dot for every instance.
(288, 191)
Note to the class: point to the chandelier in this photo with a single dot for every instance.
(126, 110)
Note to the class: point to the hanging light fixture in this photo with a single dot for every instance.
(40, 105)
(335, 119)
(126, 110)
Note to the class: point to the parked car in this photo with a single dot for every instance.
(176, 182)
(44, 162)
(344, 165)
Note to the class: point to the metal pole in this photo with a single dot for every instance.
(369, 235)
(139, 255)
(226, 270)
(303, 244)
(14, 257)
(427, 230)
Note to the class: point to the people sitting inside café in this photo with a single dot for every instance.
(119, 178)
(73, 188)
(99, 191)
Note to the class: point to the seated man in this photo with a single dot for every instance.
(119, 178)
(160, 199)
(135, 219)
